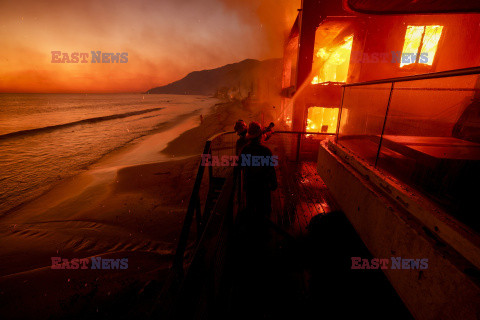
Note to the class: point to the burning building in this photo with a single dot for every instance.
(398, 84)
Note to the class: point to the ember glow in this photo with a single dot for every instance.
(333, 63)
(421, 39)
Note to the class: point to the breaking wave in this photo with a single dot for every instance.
(74, 123)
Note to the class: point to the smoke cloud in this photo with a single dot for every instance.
(165, 40)
(275, 18)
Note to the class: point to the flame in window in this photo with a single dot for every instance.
(322, 120)
(335, 62)
(421, 41)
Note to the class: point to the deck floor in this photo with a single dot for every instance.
(307, 274)
(301, 195)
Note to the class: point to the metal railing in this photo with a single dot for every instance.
(194, 209)
(432, 75)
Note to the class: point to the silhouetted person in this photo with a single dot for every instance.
(241, 129)
(260, 180)
(252, 264)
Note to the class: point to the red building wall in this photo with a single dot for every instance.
(458, 46)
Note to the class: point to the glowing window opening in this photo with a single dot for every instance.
(421, 41)
(335, 60)
(321, 119)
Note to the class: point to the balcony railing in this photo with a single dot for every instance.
(422, 130)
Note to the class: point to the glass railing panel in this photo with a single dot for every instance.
(431, 141)
(362, 118)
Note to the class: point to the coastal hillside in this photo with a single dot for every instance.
(238, 79)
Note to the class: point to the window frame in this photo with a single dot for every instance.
(312, 105)
(416, 66)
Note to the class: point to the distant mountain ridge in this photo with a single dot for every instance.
(242, 75)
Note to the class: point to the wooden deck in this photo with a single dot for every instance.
(307, 274)
(301, 193)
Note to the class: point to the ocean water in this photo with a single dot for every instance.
(45, 138)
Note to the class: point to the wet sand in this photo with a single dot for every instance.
(131, 204)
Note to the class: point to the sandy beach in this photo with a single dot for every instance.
(130, 204)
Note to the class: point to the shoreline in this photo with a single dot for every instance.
(121, 205)
(115, 152)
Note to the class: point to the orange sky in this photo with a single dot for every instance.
(165, 40)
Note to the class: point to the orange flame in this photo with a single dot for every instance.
(335, 62)
(322, 120)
